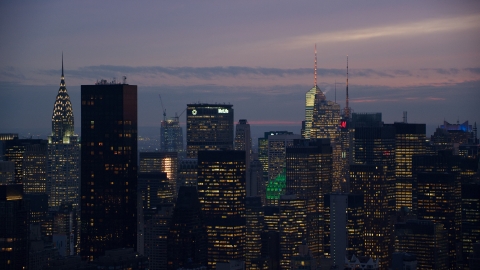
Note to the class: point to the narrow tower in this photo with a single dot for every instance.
(347, 111)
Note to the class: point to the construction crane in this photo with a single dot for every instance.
(177, 117)
(163, 108)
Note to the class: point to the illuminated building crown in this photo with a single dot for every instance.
(62, 118)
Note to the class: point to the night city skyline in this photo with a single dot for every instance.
(418, 57)
(246, 135)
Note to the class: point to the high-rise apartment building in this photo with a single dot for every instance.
(309, 177)
(63, 165)
(221, 191)
(209, 127)
(108, 168)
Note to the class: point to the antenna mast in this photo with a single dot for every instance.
(347, 107)
(164, 110)
(315, 68)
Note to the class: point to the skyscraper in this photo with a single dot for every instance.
(243, 142)
(308, 176)
(157, 162)
(221, 191)
(409, 140)
(293, 227)
(171, 136)
(108, 168)
(370, 181)
(63, 167)
(209, 127)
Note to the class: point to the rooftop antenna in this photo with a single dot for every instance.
(62, 65)
(405, 117)
(335, 91)
(315, 68)
(164, 110)
(347, 111)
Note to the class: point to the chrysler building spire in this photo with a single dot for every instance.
(62, 118)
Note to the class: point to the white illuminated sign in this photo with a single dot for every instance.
(194, 112)
(222, 110)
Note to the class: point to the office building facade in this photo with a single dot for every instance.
(108, 168)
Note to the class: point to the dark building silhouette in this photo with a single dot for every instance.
(108, 168)
(221, 191)
(254, 226)
(426, 239)
(187, 237)
(14, 227)
(209, 127)
(439, 200)
(309, 176)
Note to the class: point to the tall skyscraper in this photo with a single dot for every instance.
(209, 127)
(171, 136)
(108, 168)
(63, 166)
(254, 216)
(409, 140)
(221, 191)
(310, 102)
(187, 238)
(292, 229)
(438, 200)
(370, 181)
(243, 142)
(308, 176)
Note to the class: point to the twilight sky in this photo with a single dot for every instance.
(417, 56)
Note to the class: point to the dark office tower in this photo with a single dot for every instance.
(243, 139)
(14, 227)
(439, 200)
(167, 162)
(375, 145)
(370, 181)
(187, 238)
(409, 140)
(293, 227)
(171, 136)
(154, 189)
(7, 172)
(270, 251)
(344, 230)
(309, 177)
(255, 183)
(263, 158)
(254, 226)
(221, 191)
(187, 172)
(63, 166)
(470, 219)
(426, 239)
(209, 127)
(108, 168)
(157, 228)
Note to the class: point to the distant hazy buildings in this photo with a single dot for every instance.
(108, 168)
(171, 136)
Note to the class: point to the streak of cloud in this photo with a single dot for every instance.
(425, 27)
